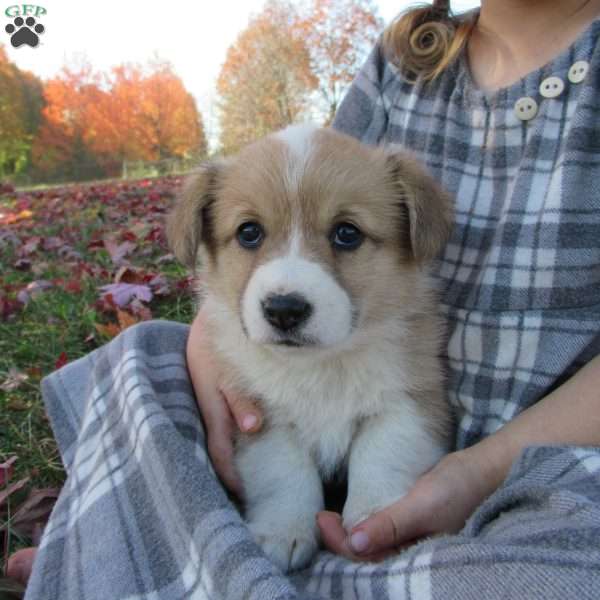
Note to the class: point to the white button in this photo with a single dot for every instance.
(526, 108)
(552, 87)
(578, 71)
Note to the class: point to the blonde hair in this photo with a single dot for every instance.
(426, 39)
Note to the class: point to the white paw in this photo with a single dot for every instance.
(355, 512)
(289, 548)
(359, 507)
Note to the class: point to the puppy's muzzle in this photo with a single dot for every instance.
(286, 312)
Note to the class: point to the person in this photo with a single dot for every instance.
(501, 105)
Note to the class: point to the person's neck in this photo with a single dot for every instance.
(514, 37)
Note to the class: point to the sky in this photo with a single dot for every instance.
(193, 35)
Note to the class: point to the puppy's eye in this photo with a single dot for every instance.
(250, 235)
(346, 236)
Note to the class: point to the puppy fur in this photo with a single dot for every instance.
(358, 386)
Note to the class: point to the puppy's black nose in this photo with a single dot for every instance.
(286, 311)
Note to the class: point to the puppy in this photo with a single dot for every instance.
(312, 251)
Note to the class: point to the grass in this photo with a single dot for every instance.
(62, 321)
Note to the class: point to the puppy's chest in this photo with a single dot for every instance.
(322, 407)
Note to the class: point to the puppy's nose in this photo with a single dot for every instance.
(286, 311)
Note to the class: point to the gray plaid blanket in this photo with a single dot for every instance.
(142, 515)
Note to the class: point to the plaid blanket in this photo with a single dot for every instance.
(142, 514)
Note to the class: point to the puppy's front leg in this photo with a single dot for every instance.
(282, 494)
(389, 453)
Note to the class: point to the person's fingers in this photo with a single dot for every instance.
(247, 415)
(389, 528)
(333, 534)
(218, 421)
(219, 441)
(335, 538)
(20, 564)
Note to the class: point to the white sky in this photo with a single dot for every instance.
(192, 35)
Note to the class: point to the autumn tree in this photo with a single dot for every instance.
(93, 122)
(20, 105)
(169, 123)
(145, 116)
(60, 150)
(266, 79)
(339, 34)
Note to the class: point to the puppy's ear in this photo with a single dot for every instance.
(427, 209)
(190, 222)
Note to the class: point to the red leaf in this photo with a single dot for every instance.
(127, 274)
(8, 307)
(129, 236)
(74, 286)
(62, 360)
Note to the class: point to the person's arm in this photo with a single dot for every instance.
(219, 408)
(446, 496)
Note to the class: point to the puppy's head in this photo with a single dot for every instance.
(307, 235)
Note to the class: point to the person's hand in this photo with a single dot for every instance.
(20, 565)
(439, 502)
(220, 408)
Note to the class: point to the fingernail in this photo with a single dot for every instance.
(359, 542)
(248, 422)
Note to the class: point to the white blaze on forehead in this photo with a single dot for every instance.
(298, 138)
(299, 141)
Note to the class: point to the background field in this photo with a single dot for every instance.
(59, 247)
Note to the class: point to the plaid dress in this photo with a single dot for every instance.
(142, 514)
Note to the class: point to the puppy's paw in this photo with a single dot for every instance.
(290, 548)
(361, 507)
(354, 513)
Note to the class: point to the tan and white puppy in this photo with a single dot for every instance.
(312, 250)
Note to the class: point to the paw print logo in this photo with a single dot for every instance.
(24, 32)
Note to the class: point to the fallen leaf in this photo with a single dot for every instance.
(123, 293)
(140, 310)
(129, 274)
(118, 251)
(16, 404)
(23, 264)
(62, 360)
(110, 330)
(31, 245)
(13, 380)
(33, 290)
(8, 307)
(34, 511)
(125, 319)
(6, 469)
(11, 489)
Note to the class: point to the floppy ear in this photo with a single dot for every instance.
(427, 208)
(190, 222)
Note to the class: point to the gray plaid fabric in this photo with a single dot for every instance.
(142, 515)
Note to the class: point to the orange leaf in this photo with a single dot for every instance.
(110, 331)
(125, 319)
